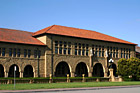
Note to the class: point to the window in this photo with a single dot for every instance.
(86, 49)
(124, 53)
(10, 52)
(35, 53)
(96, 51)
(93, 49)
(121, 53)
(29, 53)
(60, 50)
(99, 51)
(129, 53)
(79, 51)
(60, 47)
(65, 48)
(18, 53)
(76, 49)
(3, 51)
(56, 47)
(116, 52)
(25, 52)
(102, 51)
(69, 48)
(14, 52)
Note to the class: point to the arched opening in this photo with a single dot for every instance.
(28, 71)
(98, 70)
(114, 70)
(62, 69)
(11, 71)
(81, 68)
(1, 71)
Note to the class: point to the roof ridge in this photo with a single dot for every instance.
(15, 30)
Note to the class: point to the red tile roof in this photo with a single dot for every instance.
(81, 33)
(17, 36)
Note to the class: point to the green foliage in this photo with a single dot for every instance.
(129, 67)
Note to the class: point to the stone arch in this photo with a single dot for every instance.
(114, 69)
(11, 71)
(28, 71)
(81, 68)
(98, 70)
(1, 70)
(62, 69)
(10, 64)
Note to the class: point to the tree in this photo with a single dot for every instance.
(129, 67)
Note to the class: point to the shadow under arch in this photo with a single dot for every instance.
(28, 71)
(1, 70)
(98, 70)
(62, 69)
(11, 71)
(81, 68)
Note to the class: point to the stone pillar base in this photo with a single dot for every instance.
(72, 74)
(89, 74)
(6, 74)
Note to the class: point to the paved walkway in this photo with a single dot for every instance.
(66, 89)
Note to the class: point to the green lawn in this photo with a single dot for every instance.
(64, 85)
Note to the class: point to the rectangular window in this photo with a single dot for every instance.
(29, 53)
(99, 51)
(129, 53)
(60, 47)
(25, 52)
(3, 51)
(96, 51)
(121, 53)
(10, 52)
(60, 50)
(79, 52)
(56, 50)
(18, 53)
(14, 52)
(65, 48)
(69, 51)
(76, 49)
(116, 52)
(56, 47)
(86, 49)
(35, 53)
(83, 52)
(69, 48)
(124, 53)
(102, 51)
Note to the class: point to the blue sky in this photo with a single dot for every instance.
(118, 18)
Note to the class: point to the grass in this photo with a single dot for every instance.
(65, 85)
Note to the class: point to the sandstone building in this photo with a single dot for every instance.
(60, 50)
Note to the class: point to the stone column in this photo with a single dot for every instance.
(89, 74)
(35, 74)
(105, 74)
(21, 74)
(72, 74)
(6, 74)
